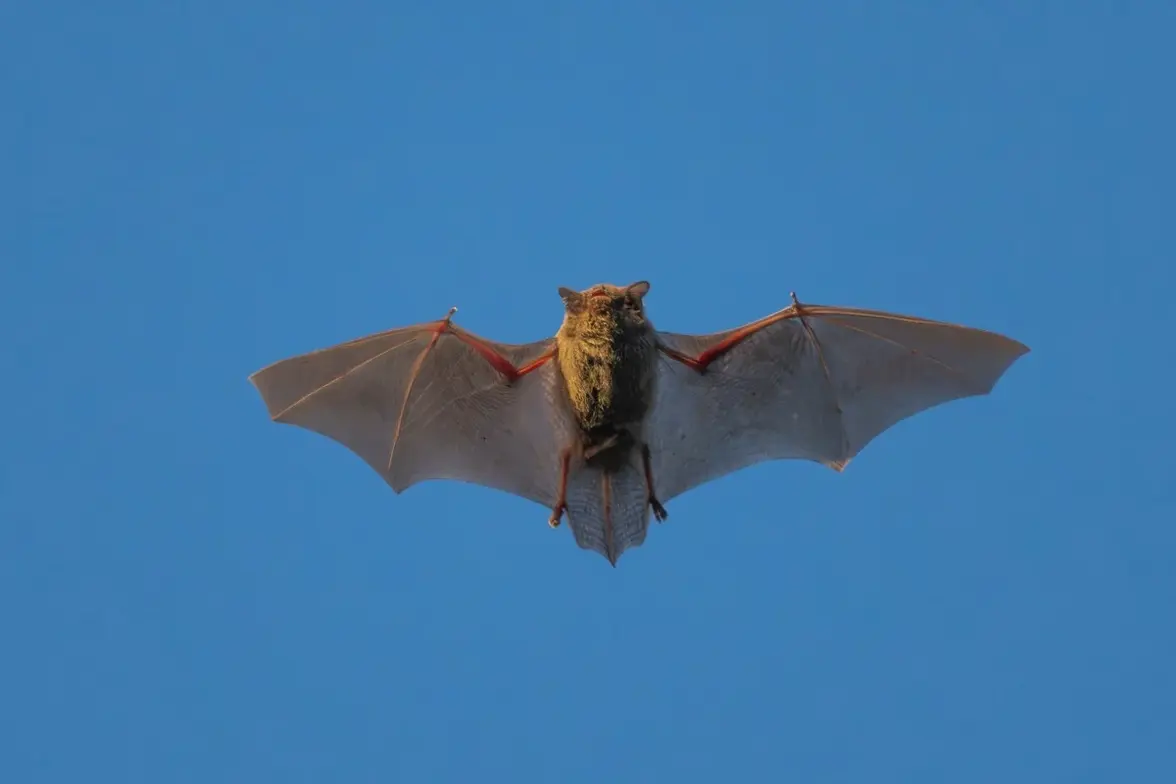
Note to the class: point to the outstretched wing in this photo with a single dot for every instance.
(810, 382)
(432, 402)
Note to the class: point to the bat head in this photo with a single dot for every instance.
(622, 303)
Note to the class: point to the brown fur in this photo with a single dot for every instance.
(607, 355)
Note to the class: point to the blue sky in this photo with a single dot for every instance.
(193, 594)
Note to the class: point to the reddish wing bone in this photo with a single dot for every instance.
(504, 366)
(513, 374)
(488, 352)
(703, 360)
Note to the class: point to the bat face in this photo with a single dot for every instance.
(606, 304)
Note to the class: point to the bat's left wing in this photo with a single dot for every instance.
(432, 401)
(809, 382)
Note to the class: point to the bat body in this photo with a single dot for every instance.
(607, 355)
(610, 418)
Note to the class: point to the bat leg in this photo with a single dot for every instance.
(659, 511)
(561, 504)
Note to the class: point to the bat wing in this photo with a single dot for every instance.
(432, 402)
(810, 382)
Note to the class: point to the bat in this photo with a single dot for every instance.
(611, 418)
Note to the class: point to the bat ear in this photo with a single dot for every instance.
(638, 289)
(568, 296)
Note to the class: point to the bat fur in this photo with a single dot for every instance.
(607, 355)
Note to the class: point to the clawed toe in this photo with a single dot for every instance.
(556, 516)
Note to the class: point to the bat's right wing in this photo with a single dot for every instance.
(432, 402)
(809, 382)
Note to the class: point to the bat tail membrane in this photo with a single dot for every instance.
(608, 511)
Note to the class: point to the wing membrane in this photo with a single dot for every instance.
(427, 402)
(815, 383)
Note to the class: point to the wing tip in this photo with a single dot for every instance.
(1016, 347)
(1017, 350)
(255, 379)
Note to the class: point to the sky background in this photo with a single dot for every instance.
(190, 191)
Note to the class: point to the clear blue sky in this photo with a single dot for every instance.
(190, 593)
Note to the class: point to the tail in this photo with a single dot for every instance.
(608, 511)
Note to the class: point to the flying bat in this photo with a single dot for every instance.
(611, 418)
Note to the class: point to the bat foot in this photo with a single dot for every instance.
(659, 512)
(556, 516)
